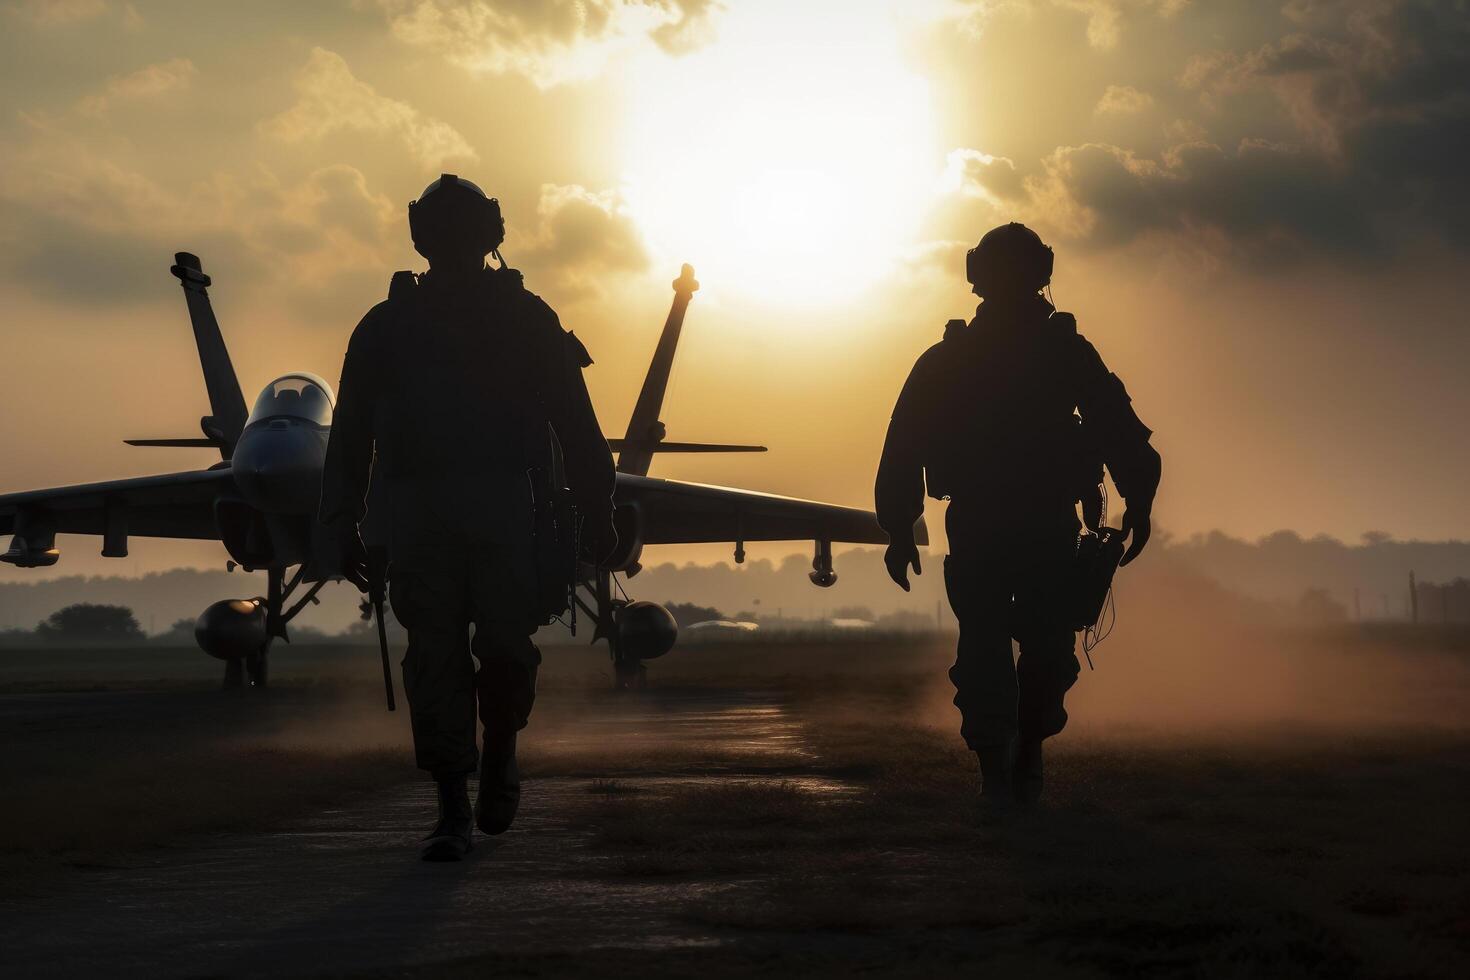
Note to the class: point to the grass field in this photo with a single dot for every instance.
(1296, 808)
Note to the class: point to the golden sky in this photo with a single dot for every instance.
(1259, 212)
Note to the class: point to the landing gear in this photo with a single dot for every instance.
(248, 671)
(256, 666)
(629, 673)
(252, 670)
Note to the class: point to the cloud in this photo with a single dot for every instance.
(547, 41)
(977, 174)
(1266, 200)
(331, 99)
(56, 13)
(145, 83)
(1351, 65)
(583, 238)
(1105, 17)
(1377, 91)
(1348, 129)
(1122, 100)
(78, 226)
(692, 30)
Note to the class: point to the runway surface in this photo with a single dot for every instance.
(342, 891)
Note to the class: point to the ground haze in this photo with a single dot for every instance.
(1214, 809)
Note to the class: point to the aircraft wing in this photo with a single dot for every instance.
(169, 505)
(672, 512)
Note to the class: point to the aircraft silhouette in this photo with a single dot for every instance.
(260, 502)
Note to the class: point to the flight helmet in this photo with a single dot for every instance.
(454, 217)
(1009, 259)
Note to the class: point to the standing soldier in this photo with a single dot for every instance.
(989, 416)
(467, 396)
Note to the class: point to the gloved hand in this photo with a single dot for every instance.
(1137, 526)
(901, 553)
(344, 553)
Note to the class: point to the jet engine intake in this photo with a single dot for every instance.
(629, 525)
(646, 631)
(232, 628)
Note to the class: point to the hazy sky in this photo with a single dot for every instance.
(1259, 212)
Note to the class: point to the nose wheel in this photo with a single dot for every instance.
(629, 673)
(248, 671)
(253, 669)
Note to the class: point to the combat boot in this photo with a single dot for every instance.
(500, 785)
(1026, 773)
(996, 788)
(450, 840)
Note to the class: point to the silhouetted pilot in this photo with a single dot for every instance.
(987, 416)
(457, 382)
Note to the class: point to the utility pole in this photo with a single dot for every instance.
(1357, 605)
(1413, 600)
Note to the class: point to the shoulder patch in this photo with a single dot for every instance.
(401, 286)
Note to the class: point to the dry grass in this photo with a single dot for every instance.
(1275, 854)
(95, 779)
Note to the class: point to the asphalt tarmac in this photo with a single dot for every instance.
(341, 891)
(769, 810)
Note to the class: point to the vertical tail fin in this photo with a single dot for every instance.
(645, 431)
(226, 403)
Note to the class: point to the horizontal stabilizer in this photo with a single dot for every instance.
(181, 443)
(621, 445)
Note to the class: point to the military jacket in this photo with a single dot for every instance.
(453, 395)
(1011, 414)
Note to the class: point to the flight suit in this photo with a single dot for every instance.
(457, 389)
(989, 418)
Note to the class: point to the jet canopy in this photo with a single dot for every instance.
(296, 396)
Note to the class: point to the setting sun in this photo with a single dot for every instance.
(785, 163)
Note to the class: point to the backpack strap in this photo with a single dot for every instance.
(401, 287)
(1064, 323)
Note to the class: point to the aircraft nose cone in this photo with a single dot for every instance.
(278, 468)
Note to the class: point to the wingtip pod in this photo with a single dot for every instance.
(187, 269)
(25, 555)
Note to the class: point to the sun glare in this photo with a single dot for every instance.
(787, 159)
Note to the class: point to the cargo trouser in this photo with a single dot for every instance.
(1012, 587)
(438, 593)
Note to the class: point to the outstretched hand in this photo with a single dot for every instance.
(1137, 526)
(899, 556)
(355, 565)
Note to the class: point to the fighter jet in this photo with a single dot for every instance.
(259, 501)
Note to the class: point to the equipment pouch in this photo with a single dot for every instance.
(1092, 575)
(554, 528)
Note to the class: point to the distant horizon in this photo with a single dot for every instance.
(1369, 576)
